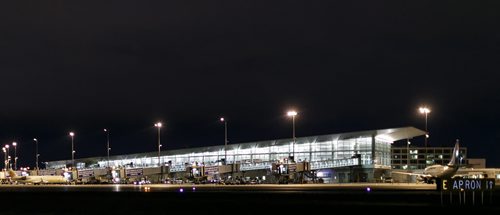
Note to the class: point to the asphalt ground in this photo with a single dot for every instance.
(245, 199)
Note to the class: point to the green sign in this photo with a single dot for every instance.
(465, 184)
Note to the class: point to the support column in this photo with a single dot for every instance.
(373, 149)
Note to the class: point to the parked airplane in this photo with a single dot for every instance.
(43, 179)
(434, 172)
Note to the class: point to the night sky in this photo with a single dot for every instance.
(343, 65)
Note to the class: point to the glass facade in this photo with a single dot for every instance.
(373, 148)
(420, 157)
(305, 150)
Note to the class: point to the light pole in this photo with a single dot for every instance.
(107, 141)
(15, 155)
(5, 157)
(225, 139)
(293, 114)
(36, 151)
(8, 156)
(158, 125)
(72, 134)
(425, 110)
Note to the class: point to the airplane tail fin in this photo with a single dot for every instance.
(456, 155)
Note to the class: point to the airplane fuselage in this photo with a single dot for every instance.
(41, 179)
(439, 171)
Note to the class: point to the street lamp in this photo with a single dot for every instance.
(107, 141)
(5, 157)
(293, 114)
(425, 110)
(72, 134)
(37, 155)
(15, 155)
(8, 156)
(225, 139)
(158, 125)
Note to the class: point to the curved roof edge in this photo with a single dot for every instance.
(388, 135)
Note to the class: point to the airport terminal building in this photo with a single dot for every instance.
(363, 156)
(413, 158)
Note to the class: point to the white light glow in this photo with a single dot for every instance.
(291, 113)
(424, 110)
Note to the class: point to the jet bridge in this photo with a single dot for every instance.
(327, 164)
(255, 166)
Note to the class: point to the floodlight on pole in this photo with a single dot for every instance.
(159, 125)
(72, 134)
(36, 153)
(292, 114)
(108, 148)
(225, 139)
(8, 156)
(425, 110)
(5, 157)
(15, 155)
